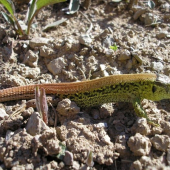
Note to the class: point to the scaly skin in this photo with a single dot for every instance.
(116, 88)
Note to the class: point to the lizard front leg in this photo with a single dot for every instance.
(141, 112)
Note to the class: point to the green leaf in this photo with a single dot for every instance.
(114, 47)
(42, 3)
(116, 0)
(8, 4)
(62, 153)
(73, 6)
(31, 11)
(8, 18)
(54, 24)
(151, 4)
(89, 160)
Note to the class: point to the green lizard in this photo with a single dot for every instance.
(116, 88)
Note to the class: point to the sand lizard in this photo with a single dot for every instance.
(115, 88)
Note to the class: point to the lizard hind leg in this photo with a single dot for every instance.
(141, 112)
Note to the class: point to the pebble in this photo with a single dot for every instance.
(157, 66)
(129, 64)
(161, 34)
(38, 42)
(149, 18)
(3, 114)
(31, 58)
(138, 13)
(55, 66)
(67, 108)
(140, 145)
(36, 125)
(68, 158)
(85, 40)
(161, 142)
(124, 55)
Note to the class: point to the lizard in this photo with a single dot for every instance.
(131, 88)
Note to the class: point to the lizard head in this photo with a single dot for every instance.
(161, 87)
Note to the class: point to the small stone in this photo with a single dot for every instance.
(106, 110)
(138, 13)
(56, 65)
(108, 41)
(76, 165)
(46, 51)
(149, 18)
(102, 67)
(161, 142)
(85, 40)
(31, 58)
(106, 139)
(101, 125)
(139, 145)
(163, 78)
(161, 34)
(36, 125)
(141, 126)
(3, 114)
(68, 158)
(124, 55)
(67, 108)
(29, 166)
(157, 66)
(38, 42)
(129, 64)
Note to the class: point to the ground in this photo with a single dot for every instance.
(125, 38)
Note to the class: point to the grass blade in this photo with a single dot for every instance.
(8, 18)
(37, 100)
(31, 11)
(44, 105)
(8, 4)
(42, 3)
(54, 24)
(73, 6)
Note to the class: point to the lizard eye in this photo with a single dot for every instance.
(153, 89)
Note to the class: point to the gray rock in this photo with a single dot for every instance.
(76, 165)
(31, 58)
(56, 65)
(38, 42)
(67, 108)
(36, 125)
(124, 55)
(85, 40)
(161, 34)
(68, 158)
(149, 19)
(129, 64)
(157, 66)
(3, 114)
(138, 13)
(108, 41)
